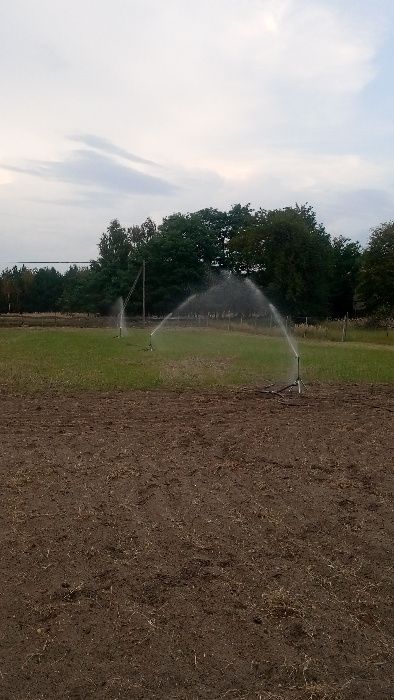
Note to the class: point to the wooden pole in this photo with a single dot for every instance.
(344, 328)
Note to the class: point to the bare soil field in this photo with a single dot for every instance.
(220, 545)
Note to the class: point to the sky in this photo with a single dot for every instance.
(134, 108)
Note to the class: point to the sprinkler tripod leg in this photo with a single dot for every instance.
(297, 382)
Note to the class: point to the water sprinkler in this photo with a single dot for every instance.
(297, 382)
(150, 346)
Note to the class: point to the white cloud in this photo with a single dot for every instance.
(236, 100)
(309, 43)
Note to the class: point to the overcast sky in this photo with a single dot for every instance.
(134, 108)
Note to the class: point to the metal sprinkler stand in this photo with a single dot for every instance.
(297, 382)
(150, 346)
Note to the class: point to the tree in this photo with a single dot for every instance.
(111, 271)
(178, 259)
(15, 289)
(141, 235)
(345, 265)
(376, 287)
(77, 290)
(288, 254)
(225, 225)
(45, 291)
(8, 290)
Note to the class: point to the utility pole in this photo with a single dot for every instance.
(143, 292)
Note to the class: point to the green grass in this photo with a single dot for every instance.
(35, 360)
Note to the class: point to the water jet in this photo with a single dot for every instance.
(120, 317)
(298, 381)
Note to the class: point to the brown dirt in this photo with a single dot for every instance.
(209, 545)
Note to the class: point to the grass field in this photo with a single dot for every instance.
(39, 359)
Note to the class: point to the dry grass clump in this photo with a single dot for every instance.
(279, 603)
(304, 330)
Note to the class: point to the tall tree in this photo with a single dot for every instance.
(77, 290)
(225, 225)
(178, 259)
(45, 291)
(7, 291)
(141, 235)
(110, 272)
(345, 265)
(288, 253)
(376, 287)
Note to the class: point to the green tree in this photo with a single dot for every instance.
(345, 265)
(45, 291)
(178, 259)
(111, 271)
(7, 291)
(288, 254)
(376, 287)
(77, 290)
(30, 290)
(225, 225)
(141, 235)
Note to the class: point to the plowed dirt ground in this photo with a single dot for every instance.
(197, 545)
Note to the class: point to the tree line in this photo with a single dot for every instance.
(287, 252)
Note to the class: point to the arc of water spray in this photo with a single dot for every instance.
(167, 318)
(279, 320)
(298, 381)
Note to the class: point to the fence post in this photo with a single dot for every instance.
(344, 327)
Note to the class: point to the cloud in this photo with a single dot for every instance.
(102, 144)
(363, 202)
(87, 168)
(354, 212)
(267, 101)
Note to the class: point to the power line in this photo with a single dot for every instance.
(51, 262)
